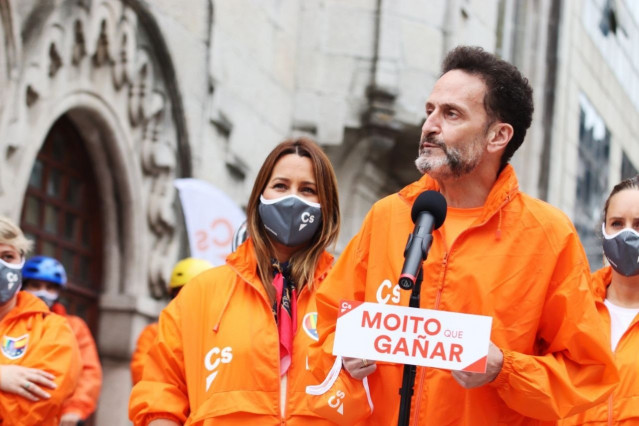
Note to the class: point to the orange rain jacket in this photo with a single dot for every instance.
(34, 337)
(521, 263)
(145, 341)
(216, 360)
(85, 397)
(622, 407)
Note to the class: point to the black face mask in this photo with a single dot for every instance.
(10, 280)
(622, 251)
(291, 220)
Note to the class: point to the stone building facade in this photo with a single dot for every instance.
(105, 102)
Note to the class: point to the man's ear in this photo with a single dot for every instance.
(499, 135)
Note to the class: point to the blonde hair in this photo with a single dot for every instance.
(11, 235)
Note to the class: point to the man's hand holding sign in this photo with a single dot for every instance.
(359, 368)
(494, 363)
(398, 334)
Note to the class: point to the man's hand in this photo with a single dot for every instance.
(358, 368)
(472, 380)
(24, 381)
(70, 419)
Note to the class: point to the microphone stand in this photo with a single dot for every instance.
(408, 379)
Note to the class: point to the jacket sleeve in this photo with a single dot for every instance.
(144, 343)
(572, 368)
(162, 391)
(86, 394)
(57, 353)
(346, 281)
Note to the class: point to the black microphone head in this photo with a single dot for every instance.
(432, 202)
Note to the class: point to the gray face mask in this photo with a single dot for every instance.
(622, 251)
(10, 280)
(291, 220)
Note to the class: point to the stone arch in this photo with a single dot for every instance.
(10, 43)
(105, 64)
(10, 49)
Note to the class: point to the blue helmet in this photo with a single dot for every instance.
(44, 268)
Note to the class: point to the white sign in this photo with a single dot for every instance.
(403, 335)
(211, 219)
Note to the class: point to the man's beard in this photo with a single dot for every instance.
(459, 163)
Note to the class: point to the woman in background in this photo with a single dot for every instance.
(616, 289)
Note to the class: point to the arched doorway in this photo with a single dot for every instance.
(61, 213)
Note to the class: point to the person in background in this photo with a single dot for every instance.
(184, 271)
(616, 289)
(46, 278)
(232, 347)
(499, 253)
(39, 355)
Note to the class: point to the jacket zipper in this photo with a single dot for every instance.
(422, 370)
(610, 398)
(422, 373)
(610, 410)
(284, 399)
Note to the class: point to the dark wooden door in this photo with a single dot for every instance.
(61, 213)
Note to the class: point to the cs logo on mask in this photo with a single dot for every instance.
(306, 219)
(213, 359)
(13, 278)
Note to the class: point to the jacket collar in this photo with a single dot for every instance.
(600, 281)
(244, 262)
(26, 304)
(504, 189)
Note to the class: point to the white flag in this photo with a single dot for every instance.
(211, 219)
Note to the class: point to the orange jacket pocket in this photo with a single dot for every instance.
(341, 398)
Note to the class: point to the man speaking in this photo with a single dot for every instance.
(499, 253)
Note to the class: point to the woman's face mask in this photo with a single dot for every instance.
(10, 280)
(622, 250)
(48, 297)
(291, 220)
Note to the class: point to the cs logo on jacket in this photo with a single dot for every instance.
(388, 292)
(14, 347)
(213, 359)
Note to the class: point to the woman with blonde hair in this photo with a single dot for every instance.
(39, 356)
(232, 347)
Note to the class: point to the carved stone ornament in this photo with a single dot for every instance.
(98, 48)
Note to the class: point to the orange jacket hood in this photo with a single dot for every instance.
(27, 305)
(503, 190)
(600, 281)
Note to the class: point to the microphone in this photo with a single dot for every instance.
(428, 213)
